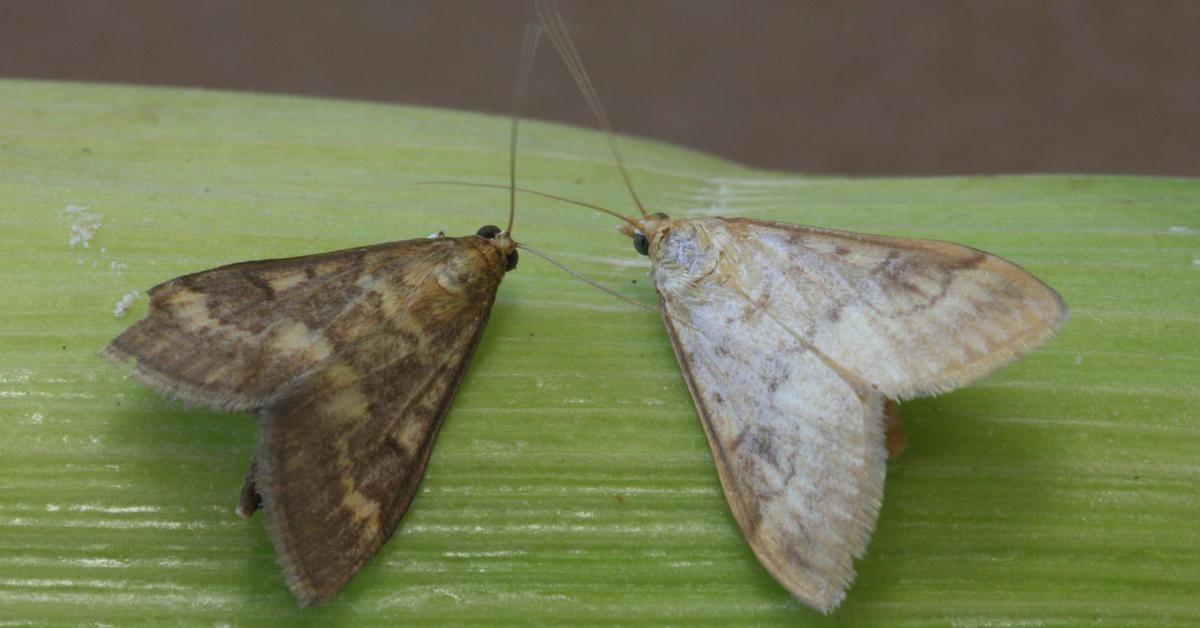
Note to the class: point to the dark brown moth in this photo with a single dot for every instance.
(795, 343)
(348, 359)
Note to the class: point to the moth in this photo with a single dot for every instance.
(796, 342)
(349, 360)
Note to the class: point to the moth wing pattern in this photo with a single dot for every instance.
(350, 359)
(231, 337)
(799, 450)
(792, 339)
(908, 317)
(342, 452)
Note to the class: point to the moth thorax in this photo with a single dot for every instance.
(687, 251)
(460, 274)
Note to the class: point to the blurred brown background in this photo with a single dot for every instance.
(853, 87)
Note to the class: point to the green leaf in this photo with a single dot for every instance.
(572, 481)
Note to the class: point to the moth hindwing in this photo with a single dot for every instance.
(350, 360)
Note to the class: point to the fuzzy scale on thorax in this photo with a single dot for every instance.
(687, 254)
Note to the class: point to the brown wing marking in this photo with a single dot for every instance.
(232, 336)
(342, 451)
(910, 317)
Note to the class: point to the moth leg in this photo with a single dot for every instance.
(897, 440)
(250, 500)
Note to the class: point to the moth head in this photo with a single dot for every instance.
(649, 230)
(502, 242)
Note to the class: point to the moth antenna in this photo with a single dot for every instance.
(589, 282)
(551, 18)
(548, 195)
(533, 34)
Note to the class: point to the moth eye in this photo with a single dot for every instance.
(641, 244)
(661, 216)
(488, 231)
(510, 262)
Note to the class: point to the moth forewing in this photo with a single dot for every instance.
(366, 421)
(907, 316)
(797, 448)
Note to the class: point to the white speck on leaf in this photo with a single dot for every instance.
(1178, 229)
(124, 303)
(83, 223)
(111, 509)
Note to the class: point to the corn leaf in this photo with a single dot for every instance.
(572, 481)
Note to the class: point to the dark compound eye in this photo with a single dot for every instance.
(641, 244)
(488, 231)
(510, 262)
